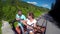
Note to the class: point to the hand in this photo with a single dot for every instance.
(43, 29)
(22, 21)
(30, 27)
(17, 18)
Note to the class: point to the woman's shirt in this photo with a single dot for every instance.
(31, 23)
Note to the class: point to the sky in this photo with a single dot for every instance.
(43, 3)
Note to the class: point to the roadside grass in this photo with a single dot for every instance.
(0, 27)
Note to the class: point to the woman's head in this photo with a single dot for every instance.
(30, 15)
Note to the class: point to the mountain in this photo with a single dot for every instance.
(9, 8)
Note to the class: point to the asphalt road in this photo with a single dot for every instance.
(51, 28)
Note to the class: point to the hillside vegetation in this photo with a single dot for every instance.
(9, 8)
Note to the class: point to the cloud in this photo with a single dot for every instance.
(45, 5)
(32, 2)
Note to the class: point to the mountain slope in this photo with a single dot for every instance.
(9, 9)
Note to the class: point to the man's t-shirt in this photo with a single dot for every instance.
(20, 17)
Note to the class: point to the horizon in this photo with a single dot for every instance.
(41, 3)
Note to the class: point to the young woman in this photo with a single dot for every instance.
(30, 23)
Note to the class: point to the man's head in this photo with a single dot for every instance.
(19, 12)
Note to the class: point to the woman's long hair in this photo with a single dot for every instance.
(31, 14)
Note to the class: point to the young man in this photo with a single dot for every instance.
(20, 17)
